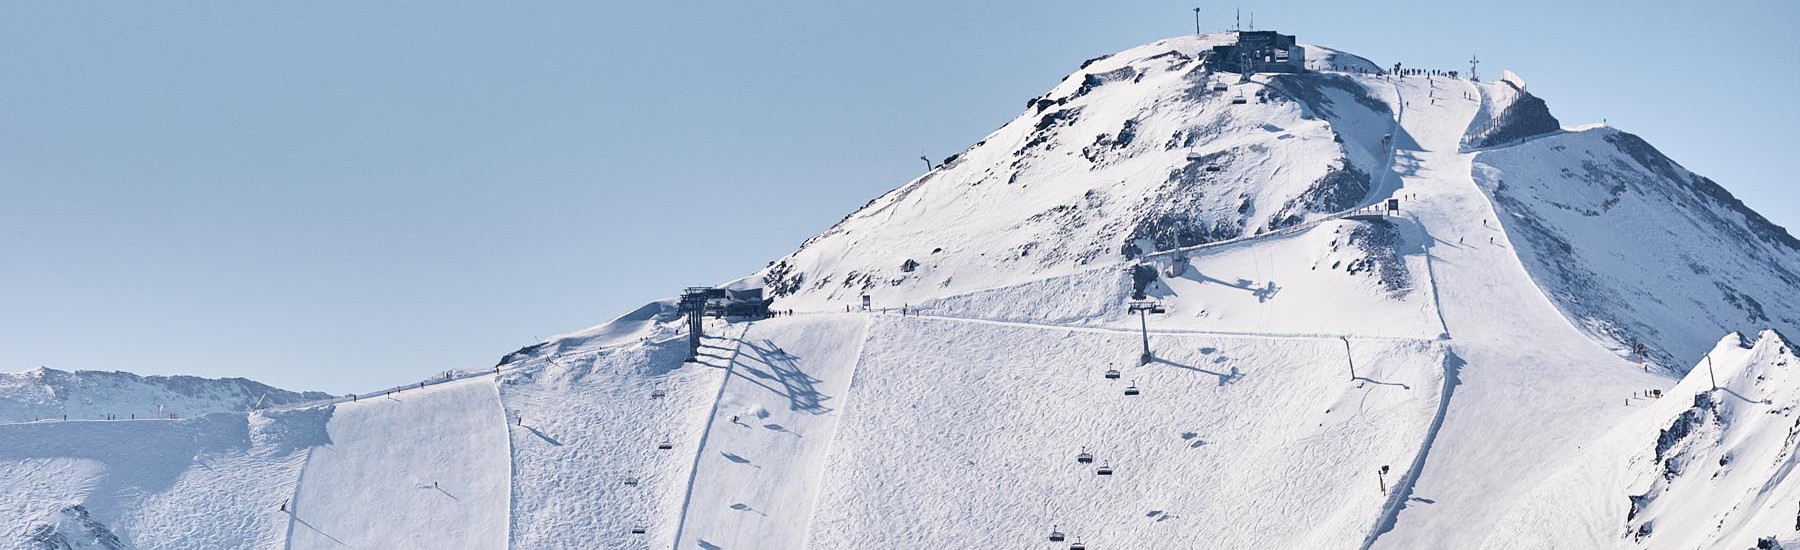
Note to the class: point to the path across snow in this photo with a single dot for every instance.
(1531, 387)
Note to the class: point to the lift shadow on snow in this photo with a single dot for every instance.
(1224, 377)
(781, 374)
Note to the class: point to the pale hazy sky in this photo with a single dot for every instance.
(341, 195)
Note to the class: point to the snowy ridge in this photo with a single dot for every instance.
(45, 393)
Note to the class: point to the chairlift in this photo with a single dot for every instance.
(665, 445)
(1103, 470)
(631, 482)
(1112, 374)
(1133, 390)
(639, 530)
(1219, 86)
(1212, 167)
(1055, 535)
(1078, 546)
(1084, 457)
(658, 393)
(1239, 100)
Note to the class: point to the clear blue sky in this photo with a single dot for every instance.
(342, 195)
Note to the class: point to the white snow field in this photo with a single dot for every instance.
(759, 469)
(210, 482)
(966, 434)
(1497, 399)
(422, 469)
(585, 433)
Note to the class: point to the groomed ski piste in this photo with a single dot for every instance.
(1324, 376)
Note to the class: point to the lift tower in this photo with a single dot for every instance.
(1144, 308)
(693, 305)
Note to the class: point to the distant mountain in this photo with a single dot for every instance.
(45, 393)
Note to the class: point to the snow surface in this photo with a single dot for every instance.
(956, 436)
(416, 470)
(760, 467)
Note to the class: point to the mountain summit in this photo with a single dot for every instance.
(1386, 307)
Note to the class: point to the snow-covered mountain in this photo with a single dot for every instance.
(45, 393)
(1460, 373)
(1693, 467)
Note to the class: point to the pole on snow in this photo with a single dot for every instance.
(1144, 308)
(1348, 358)
(1196, 21)
(1709, 372)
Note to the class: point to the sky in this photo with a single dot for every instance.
(343, 195)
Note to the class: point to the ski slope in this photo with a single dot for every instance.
(1530, 387)
(423, 469)
(958, 436)
(585, 430)
(759, 470)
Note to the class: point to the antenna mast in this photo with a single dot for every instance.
(1196, 21)
(1238, 25)
(1473, 61)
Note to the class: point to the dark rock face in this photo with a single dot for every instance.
(74, 528)
(1379, 242)
(1341, 188)
(1678, 431)
(1526, 117)
(782, 280)
(1141, 277)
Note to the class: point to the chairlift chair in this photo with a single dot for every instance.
(1112, 374)
(665, 445)
(1133, 390)
(1219, 86)
(1084, 457)
(1078, 546)
(639, 530)
(658, 393)
(1212, 167)
(1055, 535)
(1103, 470)
(1239, 100)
